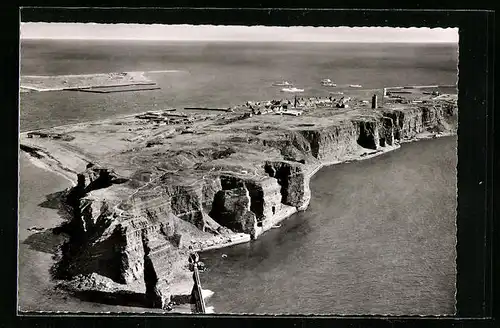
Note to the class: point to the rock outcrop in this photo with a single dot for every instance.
(293, 181)
(368, 134)
(386, 134)
(231, 208)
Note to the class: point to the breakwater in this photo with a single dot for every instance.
(406, 89)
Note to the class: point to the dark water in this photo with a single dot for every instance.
(379, 235)
(218, 74)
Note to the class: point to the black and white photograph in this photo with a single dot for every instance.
(237, 169)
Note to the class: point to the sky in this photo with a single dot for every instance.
(234, 33)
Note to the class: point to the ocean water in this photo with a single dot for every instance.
(218, 74)
(379, 235)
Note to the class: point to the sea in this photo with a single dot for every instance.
(379, 235)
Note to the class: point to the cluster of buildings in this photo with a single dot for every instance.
(166, 118)
(296, 106)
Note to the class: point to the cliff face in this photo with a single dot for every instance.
(407, 123)
(368, 133)
(231, 207)
(293, 182)
(143, 236)
(327, 142)
(386, 134)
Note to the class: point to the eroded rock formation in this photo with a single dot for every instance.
(231, 208)
(293, 181)
(135, 229)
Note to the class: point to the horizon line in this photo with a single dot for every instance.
(235, 33)
(230, 40)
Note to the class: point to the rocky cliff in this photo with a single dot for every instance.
(239, 177)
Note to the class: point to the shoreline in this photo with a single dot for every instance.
(183, 286)
(310, 175)
(118, 116)
(423, 136)
(46, 158)
(37, 248)
(240, 238)
(96, 121)
(54, 168)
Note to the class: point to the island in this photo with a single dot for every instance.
(149, 188)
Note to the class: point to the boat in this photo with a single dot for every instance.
(276, 226)
(328, 83)
(292, 90)
(282, 84)
(355, 85)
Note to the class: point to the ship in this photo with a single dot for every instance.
(292, 90)
(355, 85)
(282, 84)
(328, 83)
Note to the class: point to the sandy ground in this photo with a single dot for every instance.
(37, 248)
